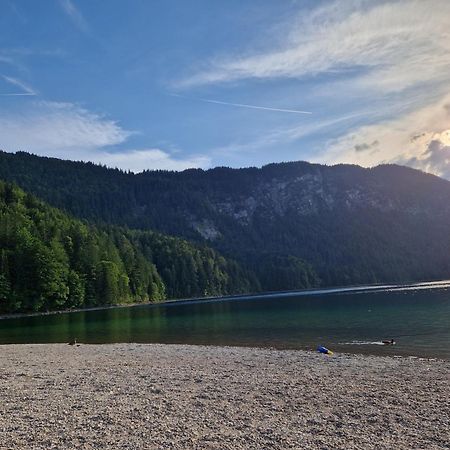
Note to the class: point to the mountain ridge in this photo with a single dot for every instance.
(349, 224)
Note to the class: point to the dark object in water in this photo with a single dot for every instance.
(391, 342)
(73, 342)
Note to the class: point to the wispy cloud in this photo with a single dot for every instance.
(242, 105)
(405, 139)
(58, 128)
(391, 58)
(388, 45)
(14, 8)
(285, 135)
(67, 131)
(26, 90)
(74, 14)
(6, 59)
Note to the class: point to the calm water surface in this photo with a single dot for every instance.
(351, 320)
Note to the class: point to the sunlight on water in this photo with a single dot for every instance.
(354, 319)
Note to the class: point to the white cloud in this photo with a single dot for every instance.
(391, 58)
(58, 128)
(395, 44)
(436, 158)
(67, 131)
(149, 159)
(415, 138)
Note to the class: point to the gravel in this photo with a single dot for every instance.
(146, 396)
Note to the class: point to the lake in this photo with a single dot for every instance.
(345, 320)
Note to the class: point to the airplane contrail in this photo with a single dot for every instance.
(27, 90)
(18, 94)
(243, 105)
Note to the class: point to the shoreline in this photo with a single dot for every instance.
(201, 397)
(301, 292)
(301, 351)
(306, 351)
(69, 311)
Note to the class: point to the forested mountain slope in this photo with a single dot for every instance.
(50, 261)
(292, 223)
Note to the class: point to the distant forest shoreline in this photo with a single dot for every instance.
(313, 291)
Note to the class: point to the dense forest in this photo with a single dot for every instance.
(292, 225)
(50, 261)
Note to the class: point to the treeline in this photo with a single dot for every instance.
(294, 225)
(50, 261)
(190, 270)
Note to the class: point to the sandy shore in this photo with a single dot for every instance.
(133, 396)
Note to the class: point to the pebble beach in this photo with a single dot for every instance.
(147, 396)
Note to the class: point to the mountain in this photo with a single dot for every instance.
(50, 261)
(292, 224)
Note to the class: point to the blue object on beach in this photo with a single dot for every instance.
(324, 350)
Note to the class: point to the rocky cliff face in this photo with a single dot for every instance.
(343, 224)
(323, 190)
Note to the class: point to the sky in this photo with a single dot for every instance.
(175, 84)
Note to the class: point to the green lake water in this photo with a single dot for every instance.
(348, 320)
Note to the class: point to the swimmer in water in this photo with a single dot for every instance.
(391, 342)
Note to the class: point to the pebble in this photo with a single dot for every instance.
(135, 396)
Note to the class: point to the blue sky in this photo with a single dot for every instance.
(175, 84)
